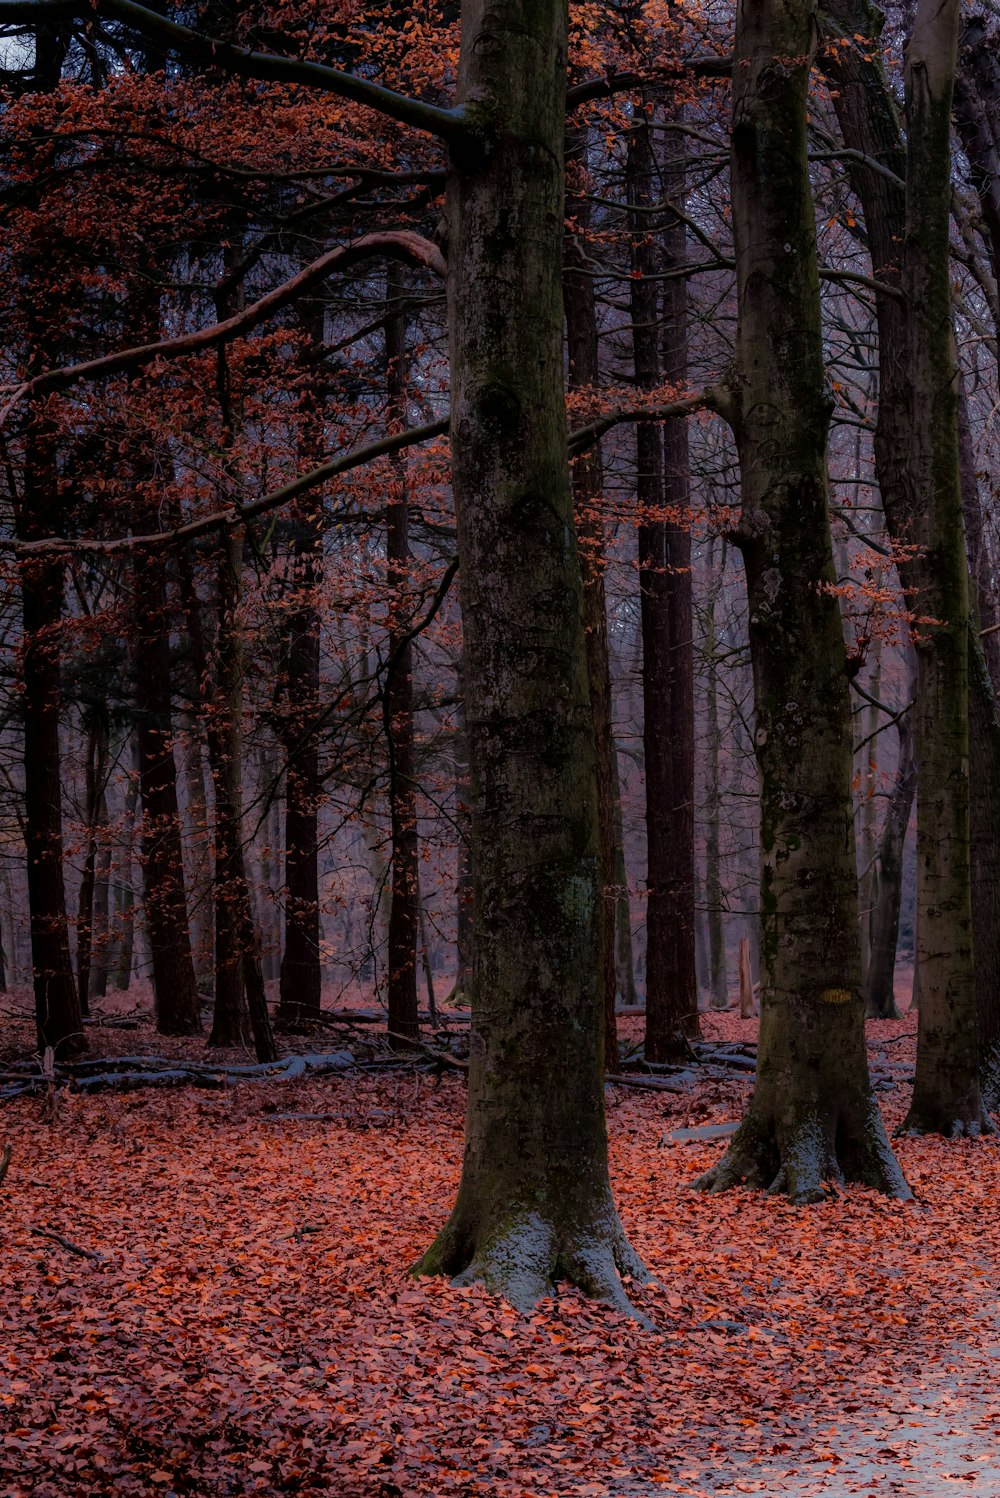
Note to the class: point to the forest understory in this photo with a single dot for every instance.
(205, 1292)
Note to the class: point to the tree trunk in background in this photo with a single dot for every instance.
(175, 991)
(946, 1093)
(880, 1002)
(404, 907)
(624, 964)
(237, 938)
(866, 775)
(813, 1117)
(588, 500)
(301, 972)
(301, 975)
(984, 766)
(95, 778)
(718, 983)
(535, 1202)
(199, 867)
(669, 1007)
(57, 1001)
(679, 850)
(124, 892)
(917, 390)
(99, 947)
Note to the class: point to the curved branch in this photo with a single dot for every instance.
(236, 514)
(399, 244)
(716, 398)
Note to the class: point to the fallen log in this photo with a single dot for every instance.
(650, 1084)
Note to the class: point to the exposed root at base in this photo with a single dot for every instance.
(807, 1161)
(525, 1260)
(921, 1121)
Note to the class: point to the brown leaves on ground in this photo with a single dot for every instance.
(249, 1328)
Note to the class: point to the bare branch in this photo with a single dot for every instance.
(399, 244)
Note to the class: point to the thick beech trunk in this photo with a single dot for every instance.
(946, 1092)
(588, 500)
(916, 449)
(404, 872)
(813, 1117)
(534, 1203)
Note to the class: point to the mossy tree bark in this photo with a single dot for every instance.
(534, 1204)
(946, 1093)
(916, 452)
(813, 1118)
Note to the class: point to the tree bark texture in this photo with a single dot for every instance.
(175, 991)
(534, 1203)
(671, 991)
(813, 1118)
(917, 457)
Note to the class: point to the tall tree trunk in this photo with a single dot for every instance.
(946, 1093)
(535, 1200)
(199, 865)
(175, 991)
(124, 891)
(624, 963)
(813, 1117)
(670, 1009)
(300, 983)
(404, 907)
(588, 500)
(301, 975)
(922, 502)
(95, 775)
(679, 959)
(237, 937)
(99, 946)
(58, 1019)
(717, 979)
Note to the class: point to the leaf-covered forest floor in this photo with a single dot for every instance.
(246, 1324)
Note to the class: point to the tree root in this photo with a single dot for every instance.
(919, 1121)
(526, 1258)
(808, 1160)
